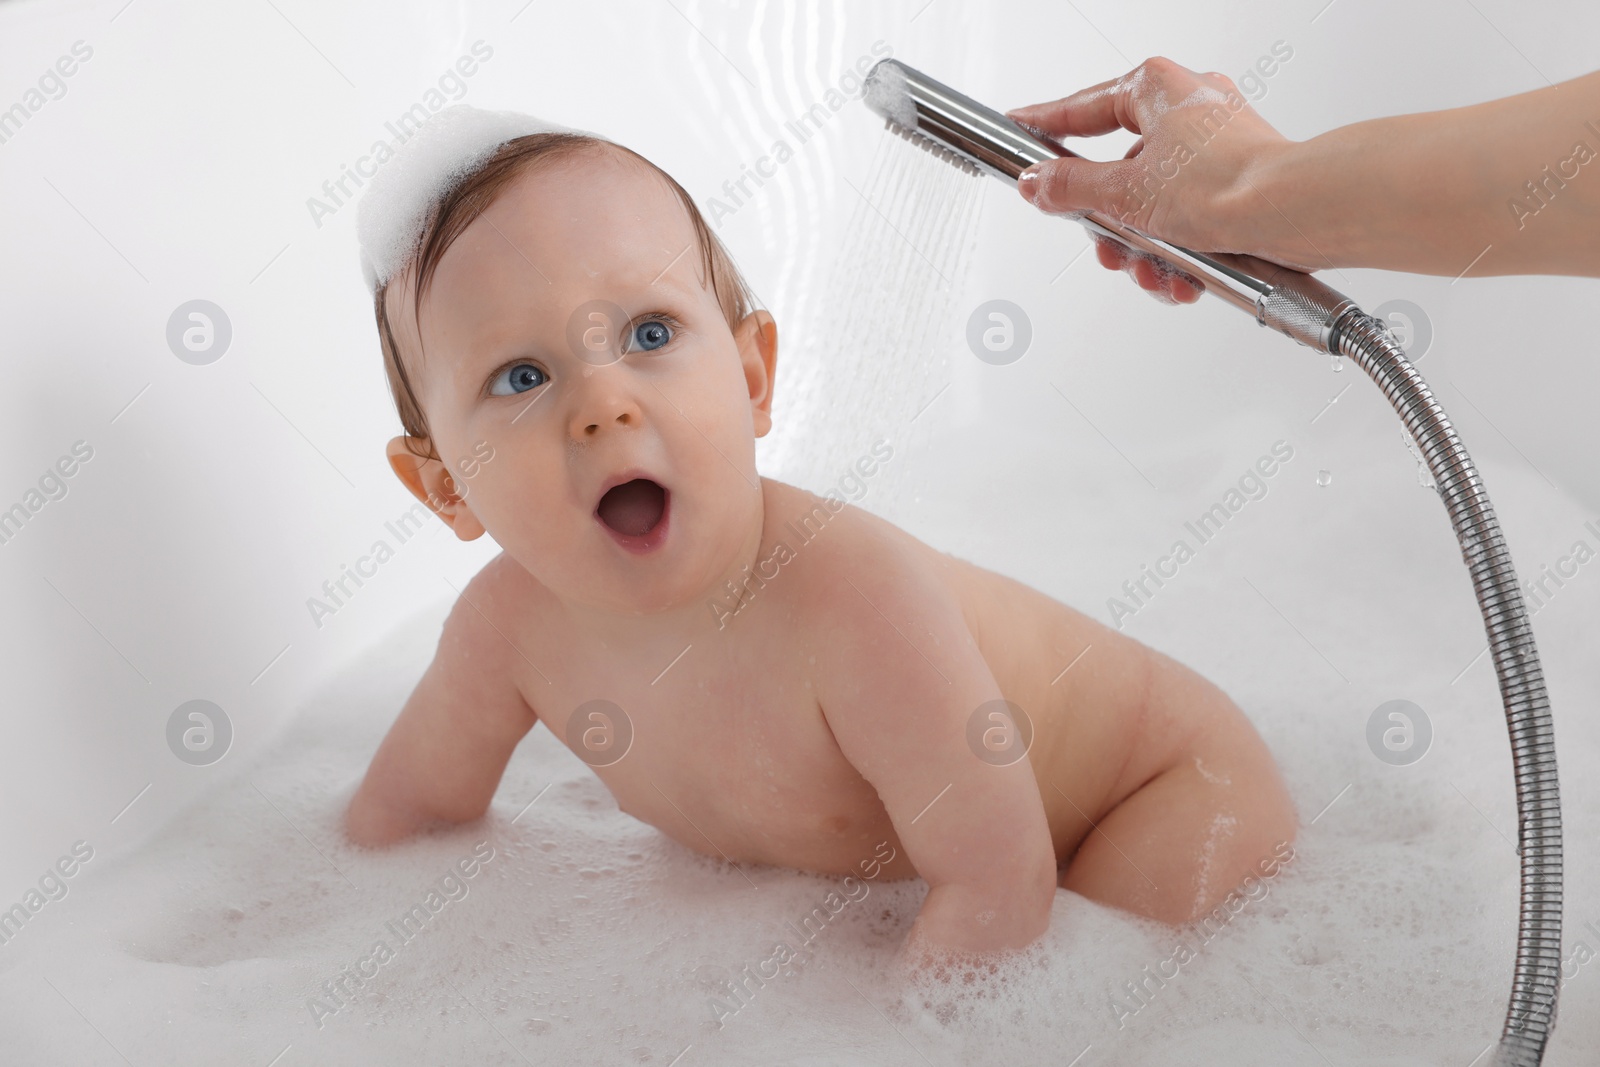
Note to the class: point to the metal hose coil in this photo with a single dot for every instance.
(1530, 1016)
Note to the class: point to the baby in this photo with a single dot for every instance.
(581, 374)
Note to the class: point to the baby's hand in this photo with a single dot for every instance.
(962, 930)
(921, 962)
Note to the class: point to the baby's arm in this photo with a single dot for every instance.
(900, 677)
(444, 755)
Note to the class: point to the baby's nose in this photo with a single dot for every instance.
(622, 418)
(604, 408)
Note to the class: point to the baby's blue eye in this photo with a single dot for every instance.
(517, 378)
(652, 334)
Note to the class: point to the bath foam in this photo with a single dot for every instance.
(398, 199)
(589, 938)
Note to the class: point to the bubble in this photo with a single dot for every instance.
(1324, 478)
(449, 145)
(1424, 476)
(198, 332)
(999, 332)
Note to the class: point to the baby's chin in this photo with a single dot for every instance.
(647, 549)
(679, 578)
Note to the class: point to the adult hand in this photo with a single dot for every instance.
(1186, 180)
(1504, 186)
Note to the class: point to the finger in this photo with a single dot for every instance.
(1171, 285)
(1182, 286)
(1183, 290)
(1138, 146)
(1153, 278)
(1112, 254)
(1086, 113)
(1166, 283)
(1146, 273)
(1117, 103)
(1073, 184)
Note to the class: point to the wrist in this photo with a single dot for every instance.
(1384, 193)
(1295, 204)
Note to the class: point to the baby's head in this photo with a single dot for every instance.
(579, 371)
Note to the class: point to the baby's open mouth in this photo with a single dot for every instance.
(633, 508)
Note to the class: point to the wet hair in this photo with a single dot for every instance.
(472, 196)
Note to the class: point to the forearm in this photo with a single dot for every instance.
(1509, 186)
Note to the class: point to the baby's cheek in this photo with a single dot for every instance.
(511, 501)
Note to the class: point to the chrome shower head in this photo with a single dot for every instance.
(953, 126)
(959, 129)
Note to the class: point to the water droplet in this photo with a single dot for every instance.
(1424, 477)
(1338, 364)
(1324, 478)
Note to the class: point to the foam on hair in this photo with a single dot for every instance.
(399, 198)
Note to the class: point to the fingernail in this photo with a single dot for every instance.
(1028, 183)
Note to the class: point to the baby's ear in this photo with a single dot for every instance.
(757, 337)
(431, 483)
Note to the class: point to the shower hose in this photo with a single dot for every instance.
(1531, 1013)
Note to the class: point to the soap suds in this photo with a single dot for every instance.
(1222, 825)
(397, 200)
(1214, 779)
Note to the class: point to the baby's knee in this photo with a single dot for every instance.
(1253, 876)
(1246, 819)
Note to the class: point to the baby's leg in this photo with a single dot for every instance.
(1175, 847)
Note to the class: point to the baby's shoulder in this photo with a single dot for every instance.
(832, 546)
(504, 597)
(828, 524)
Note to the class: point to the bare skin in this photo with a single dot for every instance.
(819, 713)
(1442, 192)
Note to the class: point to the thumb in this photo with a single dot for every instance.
(1074, 185)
